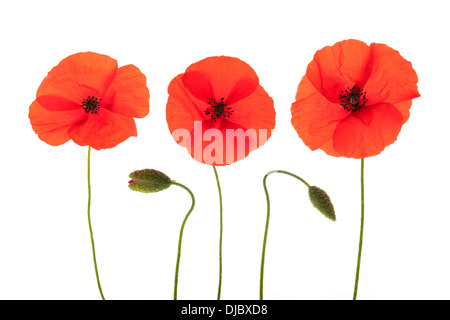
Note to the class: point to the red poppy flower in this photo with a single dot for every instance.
(354, 99)
(88, 99)
(218, 110)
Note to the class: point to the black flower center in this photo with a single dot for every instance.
(353, 99)
(218, 110)
(91, 104)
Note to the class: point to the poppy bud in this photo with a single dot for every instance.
(148, 180)
(322, 202)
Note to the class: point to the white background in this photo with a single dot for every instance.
(45, 249)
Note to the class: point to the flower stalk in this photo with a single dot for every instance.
(219, 289)
(89, 220)
(151, 181)
(177, 267)
(358, 265)
(320, 201)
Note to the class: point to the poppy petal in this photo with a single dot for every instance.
(345, 64)
(182, 109)
(255, 113)
(367, 132)
(198, 85)
(404, 107)
(57, 103)
(314, 117)
(79, 76)
(103, 130)
(220, 77)
(52, 126)
(131, 95)
(393, 79)
(219, 144)
(329, 150)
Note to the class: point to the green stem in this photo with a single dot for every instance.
(355, 292)
(221, 233)
(89, 219)
(261, 281)
(181, 236)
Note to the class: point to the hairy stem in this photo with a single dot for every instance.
(89, 220)
(181, 236)
(355, 291)
(220, 236)
(261, 281)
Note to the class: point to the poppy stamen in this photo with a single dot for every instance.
(218, 110)
(353, 99)
(91, 104)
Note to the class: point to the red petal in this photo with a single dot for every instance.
(199, 85)
(58, 103)
(219, 144)
(131, 95)
(393, 79)
(52, 126)
(367, 132)
(345, 64)
(255, 113)
(329, 150)
(183, 109)
(77, 77)
(220, 77)
(404, 107)
(103, 130)
(313, 116)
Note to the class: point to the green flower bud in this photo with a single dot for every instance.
(148, 180)
(322, 202)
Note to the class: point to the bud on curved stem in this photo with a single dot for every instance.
(151, 181)
(148, 181)
(320, 201)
